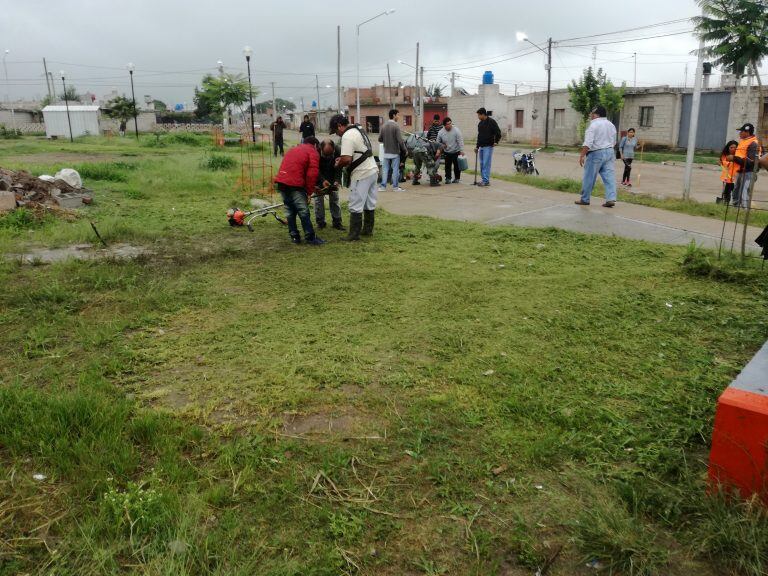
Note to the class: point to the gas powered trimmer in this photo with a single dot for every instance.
(238, 217)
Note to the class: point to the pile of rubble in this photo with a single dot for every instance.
(64, 190)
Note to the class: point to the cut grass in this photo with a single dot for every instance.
(238, 405)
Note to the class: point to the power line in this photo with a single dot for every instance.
(628, 40)
(658, 24)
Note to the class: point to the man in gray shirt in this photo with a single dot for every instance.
(451, 144)
(392, 139)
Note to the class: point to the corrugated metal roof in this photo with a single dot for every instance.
(71, 109)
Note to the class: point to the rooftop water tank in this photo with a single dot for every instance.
(488, 77)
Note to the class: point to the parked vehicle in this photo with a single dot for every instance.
(526, 163)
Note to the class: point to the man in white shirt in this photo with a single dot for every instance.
(598, 157)
(357, 154)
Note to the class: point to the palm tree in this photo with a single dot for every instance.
(435, 90)
(735, 36)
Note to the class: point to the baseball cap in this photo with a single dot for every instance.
(747, 128)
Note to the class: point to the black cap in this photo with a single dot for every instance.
(336, 121)
(748, 128)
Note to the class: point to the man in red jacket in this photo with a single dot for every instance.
(296, 182)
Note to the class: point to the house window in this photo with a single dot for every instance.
(559, 117)
(519, 115)
(646, 116)
(408, 120)
(352, 119)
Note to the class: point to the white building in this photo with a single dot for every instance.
(84, 120)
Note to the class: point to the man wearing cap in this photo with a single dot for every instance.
(598, 157)
(745, 158)
(357, 156)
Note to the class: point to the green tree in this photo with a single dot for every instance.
(217, 93)
(735, 36)
(262, 107)
(612, 97)
(71, 94)
(585, 94)
(159, 106)
(121, 108)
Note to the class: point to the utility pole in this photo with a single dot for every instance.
(421, 100)
(549, 91)
(694, 122)
(453, 84)
(47, 82)
(274, 103)
(634, 84)
(418, 93)
(317, 88)
(389, 83)
(338, 68)
(594, 58)
(53, 85)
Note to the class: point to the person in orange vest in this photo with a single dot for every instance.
(728, 174)
(745, 157)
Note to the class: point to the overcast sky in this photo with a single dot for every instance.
(173, 43)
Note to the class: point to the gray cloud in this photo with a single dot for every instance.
(172, 43)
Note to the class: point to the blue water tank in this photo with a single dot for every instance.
(488, 77)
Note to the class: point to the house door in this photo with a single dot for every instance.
(372, 124)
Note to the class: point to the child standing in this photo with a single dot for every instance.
(729, 170)
(627, 147)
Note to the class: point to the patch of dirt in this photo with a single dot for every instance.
(79, 252)
(343, 424)
(170, 398)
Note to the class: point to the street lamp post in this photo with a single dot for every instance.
(521, 37)
(7, 85)
(133, 96)
(66, 103)
(357, 55)
(248, 52)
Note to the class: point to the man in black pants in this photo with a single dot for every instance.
(277, 128)
(451, 144)
(329, 179)
(307, 129)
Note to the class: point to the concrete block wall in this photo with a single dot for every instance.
(666, 117)
(146, 122)
(463, 113)
(744, 108)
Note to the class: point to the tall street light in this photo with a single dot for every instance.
(7, 86)
(522, 37)
(248, 52)
(66, 103)
(357, 50)
(133, 96)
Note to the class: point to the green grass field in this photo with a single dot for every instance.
(443, 398)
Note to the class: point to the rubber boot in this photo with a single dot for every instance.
(296, 238)
(337, 225)
(368, 219)
(355, 225)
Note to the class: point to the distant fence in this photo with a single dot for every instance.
(29, 127)
(199, 128)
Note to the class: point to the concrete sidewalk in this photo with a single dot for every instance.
(508, 203)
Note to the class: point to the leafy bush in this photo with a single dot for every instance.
(185, 138)
(107, 171)
(9, 134)
(219, 162)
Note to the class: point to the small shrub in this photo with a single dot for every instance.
(696, 261)
(218, 162)
(137, 510)
(20, 219)
(184, 138)
(9, 134)
(106, 171)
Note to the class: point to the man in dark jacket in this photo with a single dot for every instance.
(330, 179)
(306, 128)
(296, 181)
(488, 135)
(277, 128)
